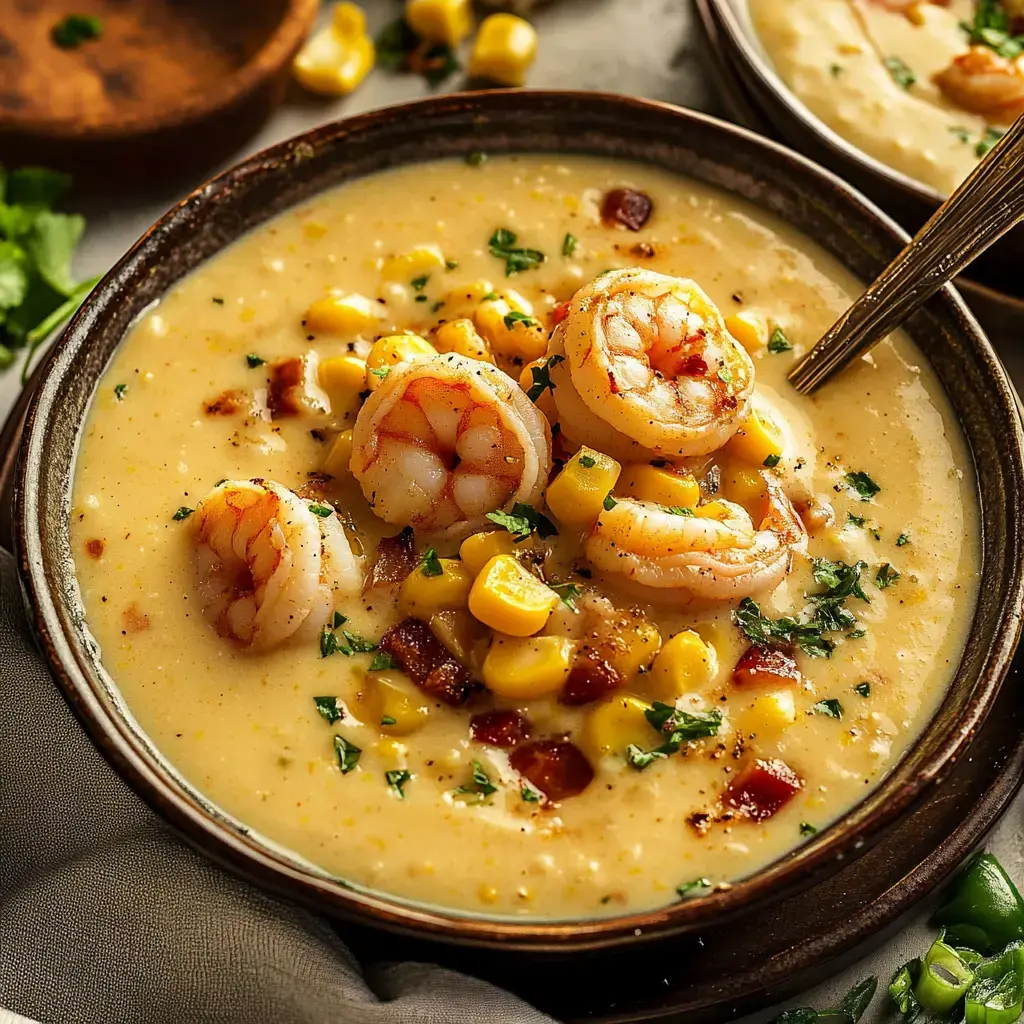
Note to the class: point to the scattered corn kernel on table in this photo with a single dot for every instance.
(644, 47)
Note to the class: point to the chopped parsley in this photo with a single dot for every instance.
(524, 520)
(347, 644)
(862, 484)
(396, 780)
(962, 134)
(900, 71)
(328, 642)
(529, 794)
(609, 502)
(989, 139)
(320, 511)
(120, 391)
(831, 708)
(183, 513)
(382, 661)
(437, 306)
(430, 564)
(778, 342)
(568, 592)
(388, 720)
(515, 317)
(676, 727)
(355, 644)
(419, 283)
(853, 520)
(421, 298)
(991, 27)
(476, 158)
(75, 29)
(569, 244)
(451, 264)
(771, 461)
(693, 888)
(863, 689)
(348, 754)
(381, 371)
(480, 784)
(542, 377)
(677, 510)
(807, 829)
(902, 540)
(252, 360)
(502, 245)
(339, 620)
(588, 461)
(330, 708)
(886, 576)
(835, 70)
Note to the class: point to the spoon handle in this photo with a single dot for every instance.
(987, 204)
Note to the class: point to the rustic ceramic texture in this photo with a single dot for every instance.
(910, 202)
(165, 88)
(750, 168)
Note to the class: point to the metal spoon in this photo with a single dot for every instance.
(988, 203)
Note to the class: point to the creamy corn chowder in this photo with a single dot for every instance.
(925, 86)
(458, 531)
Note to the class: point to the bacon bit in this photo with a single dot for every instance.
(765, 666)
(393, 561)
(503, 729)
(559, 313)
(135, 621)
(287, 386)
(94, 548)
(226, 404)
(590, 679)
(627, 207)
(314, 487)
(613, 384)
(762, 788)
(427, 662)
(643, 251)
(556, 767)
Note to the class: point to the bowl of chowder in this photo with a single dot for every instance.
(431, 483)
(903, 97)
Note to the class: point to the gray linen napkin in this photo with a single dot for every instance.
(107, 917)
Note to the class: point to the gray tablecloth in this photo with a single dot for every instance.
(106, 917)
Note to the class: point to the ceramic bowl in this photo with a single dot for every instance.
(687, 143)
(906, 199)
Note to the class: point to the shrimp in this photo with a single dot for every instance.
(268, 568)
(444, 441)
(649, 369)
(715, 554)
(986, 84)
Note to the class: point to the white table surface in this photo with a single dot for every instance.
(649, 48)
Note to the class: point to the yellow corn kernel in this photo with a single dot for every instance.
(339, 456)
(685, 664)
(423, 259)
(344, 380)
(463, 300)
(440, 21)
(713, 510)
(461, 336)
(392, 752)
(633, 646)
(576, 496)
(336, 59)
(509, 599)
(503, 50)
(424, 596)
(758, 438)
(346, 314)
(391, 351)
(398, 705)
(616, 723)
(770, 713)
(652, 483)
(915, 14)
(744, 484)
(460, 633)
(524, 667)
(508, 324)
(479, 548)
(749, 329)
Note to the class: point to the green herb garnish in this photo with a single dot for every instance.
(962, 134)
(807, 829)
(502, 246)
(886, 576)
(588, 461)
(542, 377)
(678, 726)
(70, 32)
(900, 71)
(835, 70)
(451, 264)
(830, 707)
(864, 486)
(396, 780)
(419, 283)
(320, 511)
(430, 564)
(609, 502)
(864, 689)
(677, 510)
(568, 592)
(515, 317)
(778, 342)
(381, 371)
(252, 360)
(529, 794)
(855, 520)
(348, 754)
(771, 461)
(382, 661)
(902, 540)
(522, 521)
(183, 513)
(991, 27)
(480, 784)
(330, 708)
(569, 244)
(990, 138)
(692, 888)
(476, 158)
(120, 391)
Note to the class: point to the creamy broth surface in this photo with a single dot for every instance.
(850, 62)
(242, 726)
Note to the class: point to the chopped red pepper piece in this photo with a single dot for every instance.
(556, 767)
(762, 788)
(766, 666)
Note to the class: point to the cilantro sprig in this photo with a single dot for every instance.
(677, 727)
(522, 521)
(502, 245)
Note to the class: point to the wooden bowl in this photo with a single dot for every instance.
(909, 201)
(167, 88)
(718, 154)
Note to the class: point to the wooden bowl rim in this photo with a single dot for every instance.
(278, 49)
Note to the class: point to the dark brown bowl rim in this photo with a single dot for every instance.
(125, 749)
(277, 50)
(769, 80)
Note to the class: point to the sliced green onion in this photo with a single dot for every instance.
(944, 980)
